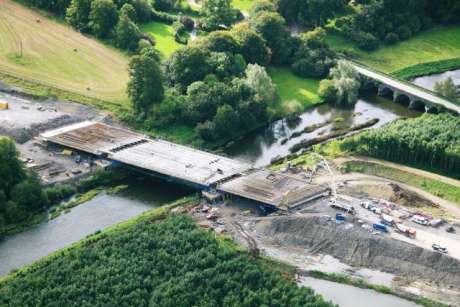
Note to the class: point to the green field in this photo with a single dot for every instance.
(433, 45)
(40, 54)
(243, 5)
(291, 87)
(164, 37)
(435, 187)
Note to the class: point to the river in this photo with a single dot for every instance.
(261, 146)
(428, 82)
(101, 212)
(349, 296)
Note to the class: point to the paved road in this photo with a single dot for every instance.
(408, 88)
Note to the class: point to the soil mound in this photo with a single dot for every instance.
(357, 247)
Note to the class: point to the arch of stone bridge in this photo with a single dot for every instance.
(402, 99)
(417, 105)
(386, 92)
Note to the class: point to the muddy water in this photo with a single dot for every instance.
(428, 82)
(349, 296)
(265, 144)
(101, 212)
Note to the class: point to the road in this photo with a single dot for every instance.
(406, 87)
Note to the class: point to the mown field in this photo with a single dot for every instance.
(164, 37)
(243, 5)
(291, 87)
(36, 48)
(437, 44)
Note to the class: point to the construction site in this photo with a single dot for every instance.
(354, 231)
(315, 218)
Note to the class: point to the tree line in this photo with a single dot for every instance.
(429, 141)
(170, 262)
(113, 20)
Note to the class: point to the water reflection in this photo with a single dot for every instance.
(270, 142)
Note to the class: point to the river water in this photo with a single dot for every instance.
(265, 144)
(349, 296)
(428, 82)
(101, 212)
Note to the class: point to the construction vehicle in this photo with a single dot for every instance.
(380, 227)
(411, 233)
(346, 208)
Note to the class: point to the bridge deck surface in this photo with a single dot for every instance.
(273, 188)
(166, 158)
(404, 87)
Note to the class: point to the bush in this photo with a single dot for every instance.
(366, 41)
(391, 38)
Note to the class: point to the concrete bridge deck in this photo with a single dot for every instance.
(185, 164)
(131, 148)
(405, 87)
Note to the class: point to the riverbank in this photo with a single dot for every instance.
(360, 283)
(103, 211)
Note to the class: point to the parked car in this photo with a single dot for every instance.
(439, 248)
(420, 220)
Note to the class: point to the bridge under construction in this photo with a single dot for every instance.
(200, 169)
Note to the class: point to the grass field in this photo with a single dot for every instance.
(435, 187)
(164, 37)
(290, 87)
(243, 5)
(40, 50)
(433, 45)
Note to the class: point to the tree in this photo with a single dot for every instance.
(11, 169)
(260, 82)
(226, 120)
(188, 65)
(346, 82)
(217, 13)
(143, 10)
(29, 194)
(271, 26)
(127, 34)
(252, 45)
(77, 14)
(327, 90)
(262, 5)
(446, 88)
(221, 41)
(313, 58)
(129, 11)
(145, 87)
(103, 17)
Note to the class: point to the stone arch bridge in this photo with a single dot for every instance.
(406, 93)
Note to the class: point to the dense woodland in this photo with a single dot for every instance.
(165, 263)
(430, 141)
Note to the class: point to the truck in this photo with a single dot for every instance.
(340, 217)
(411, 233)
(380, 227)
(343, 207)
